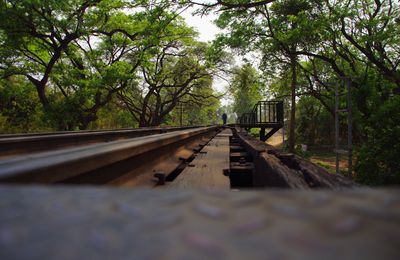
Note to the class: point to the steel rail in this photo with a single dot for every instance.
(28, 143)
(138, 156)
(3, 136)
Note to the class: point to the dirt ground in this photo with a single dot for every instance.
(321, 158)
(276, 140)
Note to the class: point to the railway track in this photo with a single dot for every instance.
(131, 161)
(13, 144)
(157, 156)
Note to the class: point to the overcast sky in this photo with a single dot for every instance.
(207, 32)
(203, 25)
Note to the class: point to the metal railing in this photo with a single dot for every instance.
(264, 112)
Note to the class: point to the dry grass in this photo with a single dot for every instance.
(328, 161)
(324, 159)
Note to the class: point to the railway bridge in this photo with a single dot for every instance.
(264, 115)
(184, 192)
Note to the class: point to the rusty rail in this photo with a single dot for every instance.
(121, 162)
(35, 142)
(138, 161)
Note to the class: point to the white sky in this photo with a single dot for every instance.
(203, 24)
(207, 32)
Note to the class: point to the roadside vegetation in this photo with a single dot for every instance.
(307, 47)
(93, 64)
(81, 64)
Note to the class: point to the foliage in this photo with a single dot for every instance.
(78, 54)
(191, 112)
(18, 107)
(314, 123)
(331, 42)
(378, 158)
(245, 89)
(113, 116)
(178, 74)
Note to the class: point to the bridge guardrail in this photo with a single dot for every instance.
(264, 112)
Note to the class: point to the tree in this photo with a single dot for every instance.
(371, 27)
(178, 70)
(194, 111)
(79, 54)
(227, 4)
(245, 89)
(378, 158)
(18, 106)
(274, 32)
(331, 41)
(283, 31)
(38, 32)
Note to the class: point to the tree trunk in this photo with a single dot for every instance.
(41, 90)
(142, 118)
(143, 123)
(85, 120)
(156, 121)
(151, 120)
(292, 137)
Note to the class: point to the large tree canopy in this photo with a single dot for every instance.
(318, 44)
(178, 70)
(246, 88)
(79, 53)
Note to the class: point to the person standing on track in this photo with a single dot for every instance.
(224, 117)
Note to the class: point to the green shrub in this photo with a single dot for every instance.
(379, 157)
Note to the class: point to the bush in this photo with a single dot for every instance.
(314, 124)
(20, 110)
(379, 157)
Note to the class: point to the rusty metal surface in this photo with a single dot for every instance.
(35, 142)
(104, 223)
(128, 129)
(55, 166)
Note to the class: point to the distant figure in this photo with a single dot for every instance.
(224, 117)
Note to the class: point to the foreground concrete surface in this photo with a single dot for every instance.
(39, 222)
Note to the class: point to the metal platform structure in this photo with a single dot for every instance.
(264, 115)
